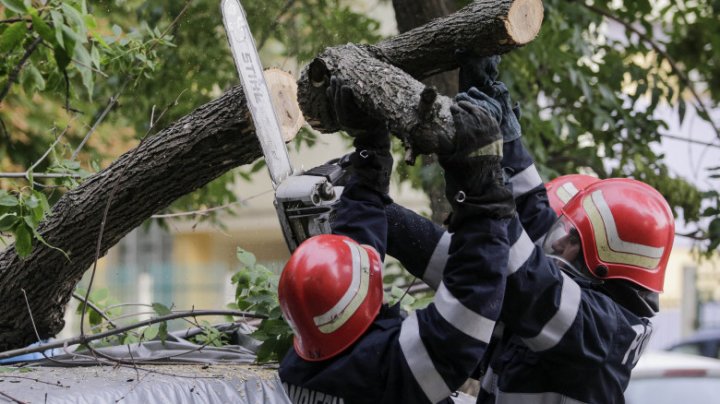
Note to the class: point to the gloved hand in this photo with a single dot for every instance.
(353, 119)
(474, 182)
(482, 73)
(371, 162)
(475, 71)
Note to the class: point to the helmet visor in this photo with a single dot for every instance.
(562, 244)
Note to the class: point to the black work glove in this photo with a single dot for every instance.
(474, 182)
(475, 71)
(371, 162)
(354, 120)
(482, 73)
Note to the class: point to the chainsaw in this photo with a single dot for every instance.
(304, 201)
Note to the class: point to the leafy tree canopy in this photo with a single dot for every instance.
(114, 71)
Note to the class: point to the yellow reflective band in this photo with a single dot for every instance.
(354, 296)
(492, 149)
(606, 234)
(566, 192)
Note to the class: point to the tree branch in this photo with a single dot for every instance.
(13, 76)
(384, 76)
(673, 65)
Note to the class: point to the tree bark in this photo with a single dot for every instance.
(410, 14)
(220, 136)
(384, 76)
(191, 152)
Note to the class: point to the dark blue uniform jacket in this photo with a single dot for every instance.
(559, 339)
(428, 355)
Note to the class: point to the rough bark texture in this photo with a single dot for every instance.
(194, 150)
(410, 14)
(219, 136)
(384, 76)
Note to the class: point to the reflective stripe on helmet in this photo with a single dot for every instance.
(461, 317)
(553, 331)
(566, 192)
(419, 362)
(611, 248)
(354, 295)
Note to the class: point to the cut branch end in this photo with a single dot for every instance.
(524, 20)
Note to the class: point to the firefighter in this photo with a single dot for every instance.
(349, 347)
(576, 311)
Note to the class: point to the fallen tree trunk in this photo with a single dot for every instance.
(220, 136)
(180, 159)
(384, 76)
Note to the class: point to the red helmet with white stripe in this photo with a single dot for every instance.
(626, 229)
(330, 292)
(563, 188)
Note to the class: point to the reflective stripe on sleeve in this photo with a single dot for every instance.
(525, 181)
(520, 252)
(489, 381)
(557, 326)
(436, 265)
(534, 398)
(419, 361)
(461, 317)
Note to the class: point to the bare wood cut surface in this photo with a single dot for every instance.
(220, 136)
(385, 76)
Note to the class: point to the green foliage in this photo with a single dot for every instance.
(20, 214)
(590, 96)
(109, 307)
(210, 336)
(101, 299)
(256, 292)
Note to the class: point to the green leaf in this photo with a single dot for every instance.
(12, 36)
(163, 331)
(42, 28)
(23, 240)
(7, 200)
(151, 332)
(15, 5)
(99, 295)
(246, 258)
(161, 309)
(37, 80)
(58, 22)
(61, 57)
(72, 14)
(8, 221)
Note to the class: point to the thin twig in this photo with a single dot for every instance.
(97, 309)
(111, 103)
(50, 149)
(709, 144)
(86, 339)
(16, 19)
(13, 76)
(683, 77)
(114, 99)
(34, 380)
(137, 373)
(98, 246)
(41, 175)
(32, 321)
(11, 398)
(275, 23)
(204, 212)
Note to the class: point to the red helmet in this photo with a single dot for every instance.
(626, 229)
(330, 292)
(563, 188)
